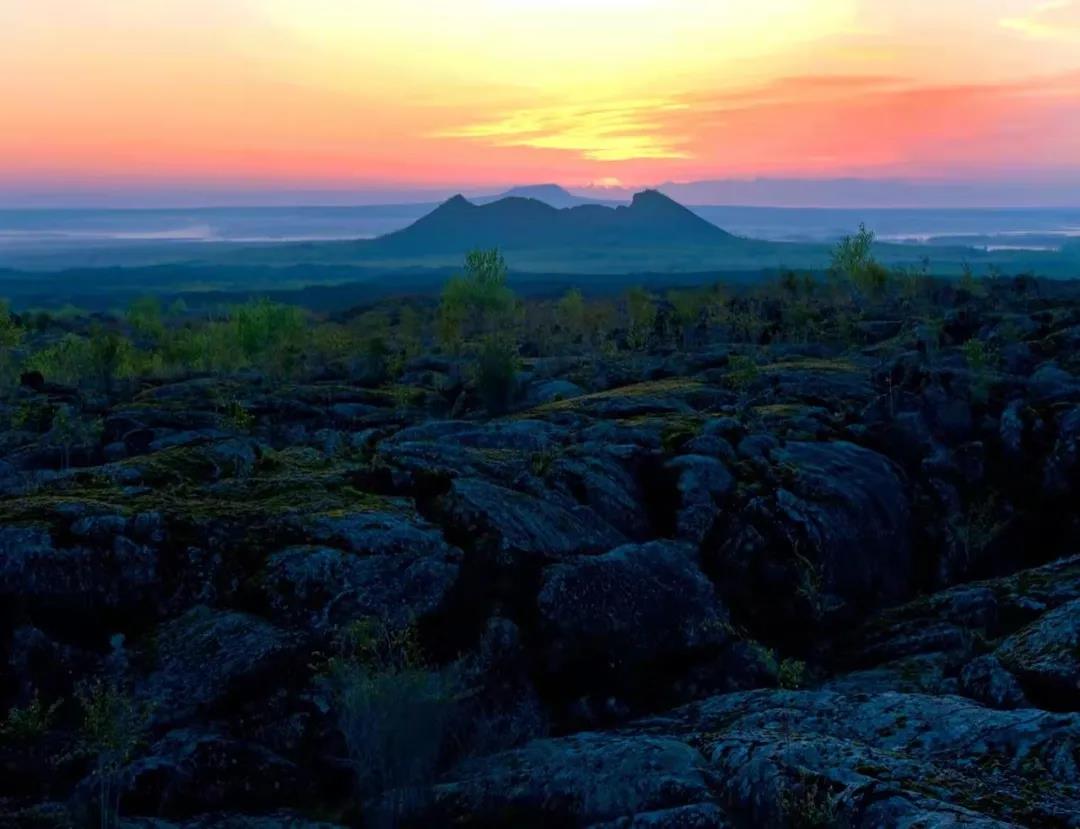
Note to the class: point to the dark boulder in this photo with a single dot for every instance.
(321, 588)
(614, 624)
(206, 660)
(832, 536)
(1045, 657)
(702, 483)
(514, 524)
(191, 772)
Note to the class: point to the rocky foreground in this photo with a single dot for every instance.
(778, 585)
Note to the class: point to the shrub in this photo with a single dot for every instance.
(69, 430)
(570, 315)
(144, 317)
(113, 728)
(11, 332)
(65, 361)
(980, 359)
(110, 354)
(809, 804)
(853, 260)
(641, 313)
(791, 674)
(410, 332)
(742, 371)
(394, 714)
(239, 417)
(28, 723)
(496, 367)
(691, 308)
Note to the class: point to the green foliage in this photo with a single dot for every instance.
(915, 282)
(570, 313)
(496, 367)
(11, 333)
(144, 317)
(394, 713)
(35, 414)
(981, 358)
(791, 674)
(809, 804)
(110, 354)
(693, 308)
(28, 723)
(268, 332)
(238, 417)
(742, 371)
(410, 332)
(66, 361)
(641, 315)
(852, 254)
(476, 303)
(257, 334)
(853, 260)
(70, 429)
(542, 461)
(873, 281)
(114, 726)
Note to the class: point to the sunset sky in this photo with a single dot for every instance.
(352, 93)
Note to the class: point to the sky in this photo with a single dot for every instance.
(129, 95)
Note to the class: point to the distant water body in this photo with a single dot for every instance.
(24, 230)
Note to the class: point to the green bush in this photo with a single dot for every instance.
(853, 260)
(145, 318)
(570, 315)
(791, 674)
(394, 713)
(742, 372)
(641, 315)
(496, 368)
(114, 726)
(69, 429)
(11, 333)
(29, 722)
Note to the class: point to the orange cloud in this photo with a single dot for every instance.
(604, 132)
(813, 124)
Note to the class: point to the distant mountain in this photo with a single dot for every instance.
(651, 219)
(550, 194)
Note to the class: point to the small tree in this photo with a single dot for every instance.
(70, 430)
(113, 728)
(853, 260)
(476, 303)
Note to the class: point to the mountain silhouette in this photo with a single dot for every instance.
(550, 194)
(516, 223)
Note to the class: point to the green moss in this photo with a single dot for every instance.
(653, 388)
(56, 510)
(810, 364)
